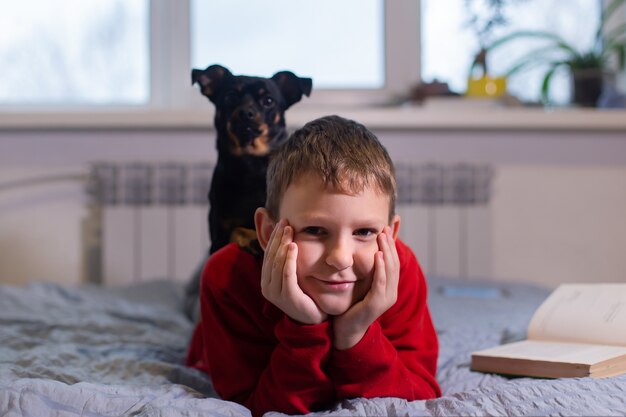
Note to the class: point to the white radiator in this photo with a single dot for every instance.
(149, 220)
(446, 217)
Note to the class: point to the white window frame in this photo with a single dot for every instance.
(170, 67)
(170, 58)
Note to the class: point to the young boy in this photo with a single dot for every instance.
(337, 306)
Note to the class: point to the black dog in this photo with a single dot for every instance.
(250, 123)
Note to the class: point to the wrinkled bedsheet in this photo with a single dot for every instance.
(91, 351)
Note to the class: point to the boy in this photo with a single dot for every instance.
(337, 306)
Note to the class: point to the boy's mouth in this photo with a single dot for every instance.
(336, 285)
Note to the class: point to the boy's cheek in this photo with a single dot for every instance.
(308, 254)
(364, 259)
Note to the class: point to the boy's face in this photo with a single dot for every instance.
(336, 237)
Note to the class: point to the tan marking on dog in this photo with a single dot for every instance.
(258, 147)
(260, 144)
(235, 147)
(242, 236)
(277, 119)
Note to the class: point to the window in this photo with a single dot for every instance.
(101, 53)
(140, 52)
(356, 51)
(73, 52)
(449, 43)
(339, 49)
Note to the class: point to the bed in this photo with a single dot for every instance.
(94, 351)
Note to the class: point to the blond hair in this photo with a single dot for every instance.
(344, 153)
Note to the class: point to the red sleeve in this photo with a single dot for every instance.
(397, 357)
(257, 356)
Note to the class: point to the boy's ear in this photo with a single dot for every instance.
(264, 226)
(395, 226)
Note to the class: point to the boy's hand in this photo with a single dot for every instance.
(350, 327)
(279, 282)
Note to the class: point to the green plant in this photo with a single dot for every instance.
(558, 53)
(485, 16)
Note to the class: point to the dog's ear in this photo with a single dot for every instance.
(292, 87)
(210, 79)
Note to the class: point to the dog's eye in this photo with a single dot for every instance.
(267, 101)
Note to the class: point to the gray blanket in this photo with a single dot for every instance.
(90, 351)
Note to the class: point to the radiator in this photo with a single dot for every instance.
(148, 221)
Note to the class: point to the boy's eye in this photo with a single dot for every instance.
(365, 232)
(313, 230)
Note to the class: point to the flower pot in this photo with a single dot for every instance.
(587, 86)
(486, 87)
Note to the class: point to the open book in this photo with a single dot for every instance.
(579, 330)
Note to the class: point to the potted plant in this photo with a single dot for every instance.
(485, 17)
(589, 68)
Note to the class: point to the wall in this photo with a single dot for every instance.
(557, 213)
(40, 226)
(559, 198)
(40, 233)
(555, 224)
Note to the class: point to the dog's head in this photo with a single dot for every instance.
(249, 111)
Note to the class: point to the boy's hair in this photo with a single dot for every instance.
(344, 153)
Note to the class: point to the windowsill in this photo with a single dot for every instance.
(473, 118)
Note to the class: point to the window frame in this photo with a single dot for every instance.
(170, 59)
(170, 66)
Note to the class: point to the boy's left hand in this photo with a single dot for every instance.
(350, 327)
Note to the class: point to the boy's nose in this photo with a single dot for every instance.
(339, 255)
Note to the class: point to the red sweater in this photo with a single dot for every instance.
(259, 357)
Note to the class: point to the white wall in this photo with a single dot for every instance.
(555, 224)
(558, 203)
(40, 224)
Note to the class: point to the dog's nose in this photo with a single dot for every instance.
(247, 114)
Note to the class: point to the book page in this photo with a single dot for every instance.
(574, 353)
(585, 313)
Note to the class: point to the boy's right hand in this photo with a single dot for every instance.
(279, 282)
